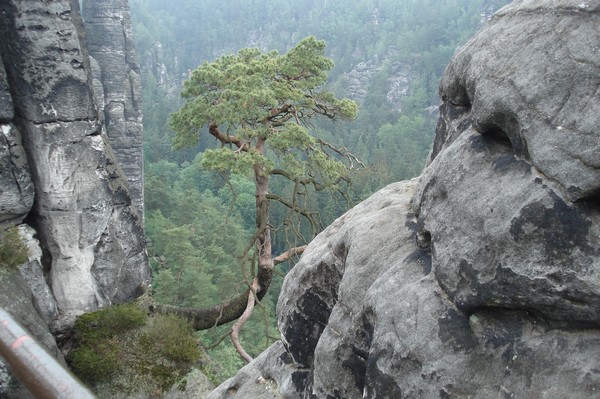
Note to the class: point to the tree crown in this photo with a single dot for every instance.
(251, 98)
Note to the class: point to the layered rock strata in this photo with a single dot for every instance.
(481, 278)
(60, 182)
(82, 212)
(118, 86)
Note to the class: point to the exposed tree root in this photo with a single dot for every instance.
(205, 318)
(235, 330)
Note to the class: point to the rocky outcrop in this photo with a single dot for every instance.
(15, 178)
(15, 298)
(60, 182)
(92, 238)
(110, 44)
(481, 278)
(399, 75)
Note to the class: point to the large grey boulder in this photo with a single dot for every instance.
(532, 77)
(91, 233)
(480, 279)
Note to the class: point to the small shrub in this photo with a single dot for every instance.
(95, 362)
(172, 337)
(122, 350)
(110, 321)
(13, 251)
(97, 356)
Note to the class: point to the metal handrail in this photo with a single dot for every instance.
(37, 370)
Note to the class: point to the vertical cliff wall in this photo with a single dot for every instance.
(118, 85)
(59, 172)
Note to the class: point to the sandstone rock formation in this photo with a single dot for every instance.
(54, 150)
(110, 44)
(481, 278)
(60, 181)
(398, 82)
(82, 209)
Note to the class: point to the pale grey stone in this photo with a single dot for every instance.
(16, 187)
(46, 73)
(532, 76)
(267, 377)
(110, 44)
(33, 274)
(92, 236)
(481, 278)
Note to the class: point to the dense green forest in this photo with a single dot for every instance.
(388, 55)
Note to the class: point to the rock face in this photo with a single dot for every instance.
(54, 145)
(110, 44)
(481, 278)
(60, 181)
(397, 85)
(15, 178)
(15, 298)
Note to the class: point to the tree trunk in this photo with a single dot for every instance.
(263, 230)
(205, 318)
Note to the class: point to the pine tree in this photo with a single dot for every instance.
(258, 106)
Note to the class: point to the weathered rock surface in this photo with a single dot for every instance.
(397, 86)
(83, 215)
(33, 274)
(7, 111)
(59, 175)
(110, 44)
(16, 197)
(60, 181)
(83, 212)
(536, 83)
(15, 297)
(481, 278)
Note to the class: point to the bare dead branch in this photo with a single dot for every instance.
(344, 152)
(305, 182)
(310, 216)
(218, 341)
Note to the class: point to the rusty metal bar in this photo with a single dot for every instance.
(37, 370)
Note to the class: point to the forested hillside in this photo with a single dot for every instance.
(388, 55)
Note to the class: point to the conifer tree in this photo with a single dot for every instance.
(258, 106)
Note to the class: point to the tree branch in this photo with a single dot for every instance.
(205, 318)
(302, 211)
(214, 130)
(288, 254)
(344, 152)
(305, 182)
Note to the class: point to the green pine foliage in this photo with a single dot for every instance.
(198, 220)
(13, 251)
